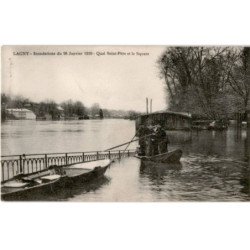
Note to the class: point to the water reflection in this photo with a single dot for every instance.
(80, 189)
(157, 173)
(76, 189)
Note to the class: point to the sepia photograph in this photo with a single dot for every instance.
(125, 123)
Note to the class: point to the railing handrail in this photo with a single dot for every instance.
(80, 152)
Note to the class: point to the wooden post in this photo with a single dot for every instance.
(82, 157)
(109, 155)
(97, 155)
(128, 152)
(119, 154)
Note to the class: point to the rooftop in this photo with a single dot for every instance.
(186, 114)
(20, 110)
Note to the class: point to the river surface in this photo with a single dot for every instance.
(214, 166)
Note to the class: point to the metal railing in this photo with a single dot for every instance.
(12, 165)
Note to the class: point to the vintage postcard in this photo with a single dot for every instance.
(125, 123)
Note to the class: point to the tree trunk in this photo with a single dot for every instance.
(247, 79)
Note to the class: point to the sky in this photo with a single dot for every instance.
(116, 77)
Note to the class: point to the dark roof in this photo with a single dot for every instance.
(184, 114)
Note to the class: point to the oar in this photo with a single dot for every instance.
(125, 143)
(134, 137)
(121, 145)
(129, 143)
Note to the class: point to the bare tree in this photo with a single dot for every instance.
(197, 78)
(237, 82)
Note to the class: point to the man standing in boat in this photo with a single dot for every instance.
(150, 141)
(154, 140)
(161, 140)
(143, 132)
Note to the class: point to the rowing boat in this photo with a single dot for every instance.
(169, 157)
(86, 171)
(42, 183)
(26, 186)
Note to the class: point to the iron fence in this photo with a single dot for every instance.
(13, 165)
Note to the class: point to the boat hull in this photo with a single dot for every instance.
(83, 177)
(169, 157)
(30, 192)
(81, 173)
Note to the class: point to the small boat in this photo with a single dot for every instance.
(169, 157)
(86, 171)
(25, 186)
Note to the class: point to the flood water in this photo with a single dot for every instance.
(214, 166)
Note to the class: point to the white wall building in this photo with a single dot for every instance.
(22, 114)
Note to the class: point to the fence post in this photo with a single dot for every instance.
(21, 164)
(2, 171)
(97, 155)
(82, 157)
(119, 154)
(46, 161)
(128, 152)
(13, 169)
(66, 158)
(8, 170)
(109, 155)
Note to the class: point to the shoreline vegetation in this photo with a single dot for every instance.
(209, 82)
(67, 110)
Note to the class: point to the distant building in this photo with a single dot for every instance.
(21, 114)
(61, 115)
(27, 105)
(59, 108)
